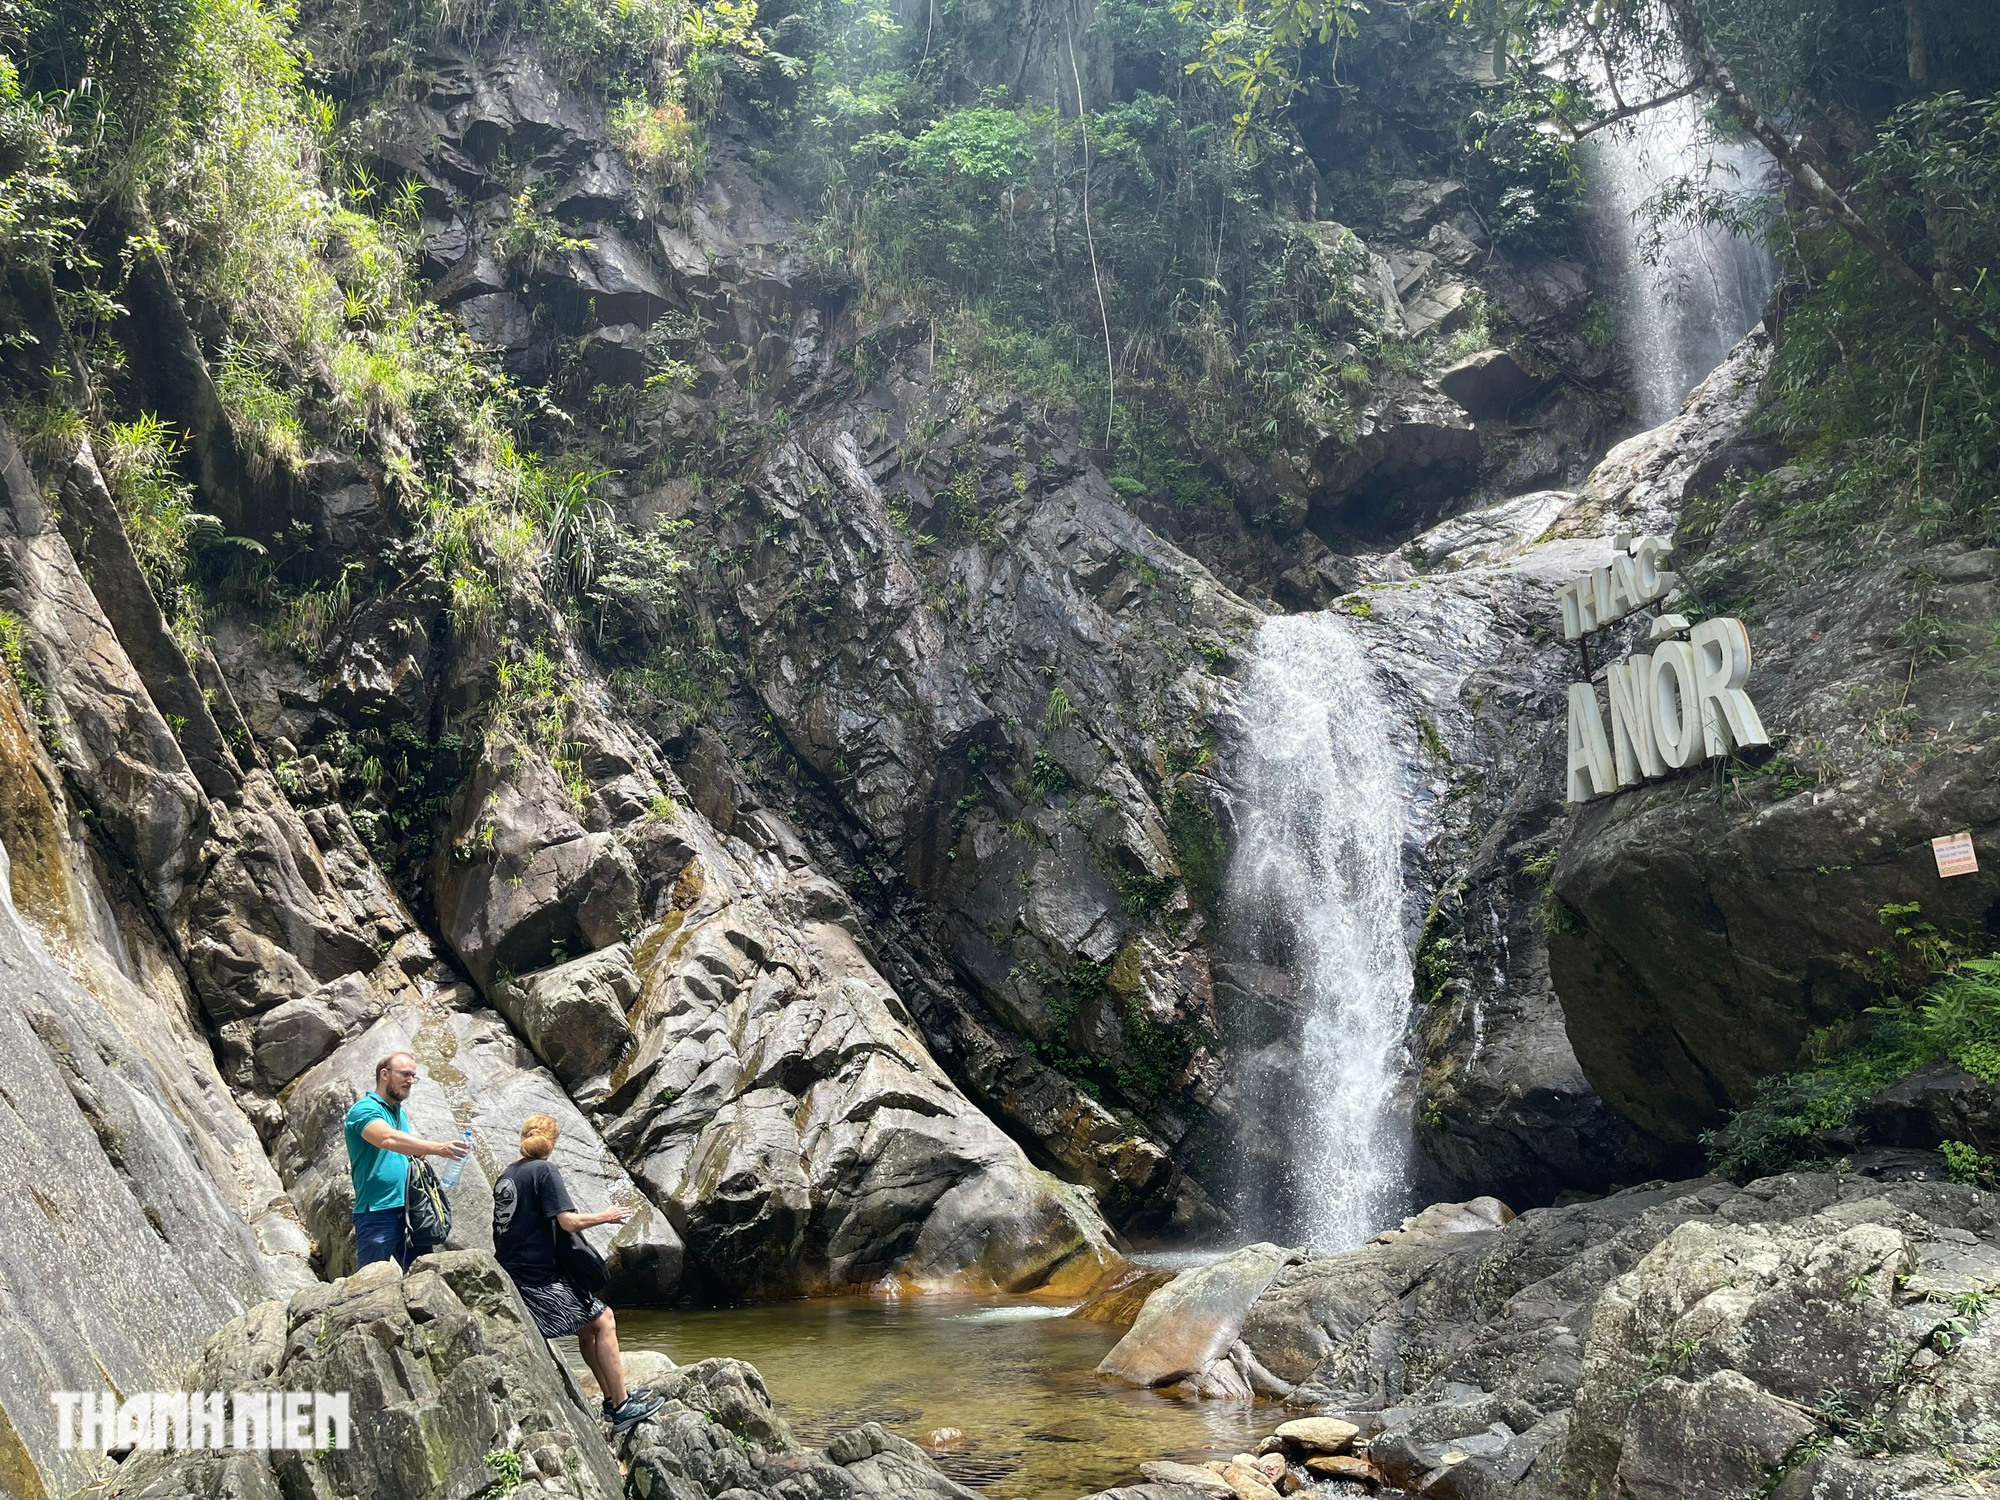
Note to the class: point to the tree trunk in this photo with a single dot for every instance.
(1717, 74)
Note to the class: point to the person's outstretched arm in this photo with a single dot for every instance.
(385, 1137)
(571, 1223)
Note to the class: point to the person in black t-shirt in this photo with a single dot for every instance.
(530, 1204)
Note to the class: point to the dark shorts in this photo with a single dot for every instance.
(381, 1234)
(557, 1309)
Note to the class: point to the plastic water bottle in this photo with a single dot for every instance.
(448, 1176)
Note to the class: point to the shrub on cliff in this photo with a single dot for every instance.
(1810, 1115)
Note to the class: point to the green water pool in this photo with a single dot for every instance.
(1012, 1375)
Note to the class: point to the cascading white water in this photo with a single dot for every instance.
(1679, 317)
(1315, 885)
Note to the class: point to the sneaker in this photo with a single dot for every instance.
(633, 1393)
(635, 1410)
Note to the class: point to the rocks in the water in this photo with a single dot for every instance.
(1343, 1466)
(1318, 1434)
(1802, 1333)
(1246, 1481)
(1118, 1298)
(1187, 1476)
(1191, 1322)
(449, 1385)
(717, 1435)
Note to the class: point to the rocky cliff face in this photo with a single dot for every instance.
(1715, 928)
(877, 940)
(997, 678)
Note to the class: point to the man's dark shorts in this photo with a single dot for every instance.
(381, 1234)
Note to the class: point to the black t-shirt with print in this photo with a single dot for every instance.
(526, 1200)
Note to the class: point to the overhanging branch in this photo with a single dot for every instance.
(1715, 72)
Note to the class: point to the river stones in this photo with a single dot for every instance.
(1191, 1321)
(1187, 1476)
(1343, 1466)
(1319, 1434)
(1246, 1481)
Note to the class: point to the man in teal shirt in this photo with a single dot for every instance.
(378, 1140)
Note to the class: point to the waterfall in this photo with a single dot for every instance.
(1677, 318)
(1315, 886)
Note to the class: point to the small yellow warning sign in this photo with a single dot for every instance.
(1954, 855)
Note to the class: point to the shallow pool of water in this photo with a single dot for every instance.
(1013, 1376)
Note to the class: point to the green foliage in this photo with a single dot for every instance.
(530, 237)
(505, 1466)
(988, 147)
(1046, 775)
(1432, 966)
(1253, 47)
(140, 462)
(263, 415)
(1159, 1053)
(1195, 837)
(1905, 425)
(13, 635)
(1967, 1163)
(1952, 1014)
(1007, 220)
(1557, 915)
(660, 138)
(35, 158)
(1056, 712)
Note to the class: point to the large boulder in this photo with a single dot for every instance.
(451, 1391)
(573, 1015)
(1699, 941)
(779, 1101)
(519, 880)
(1194, 1319)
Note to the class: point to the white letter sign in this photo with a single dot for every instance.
(1682, 704)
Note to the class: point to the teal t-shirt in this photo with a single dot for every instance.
(379, 1176)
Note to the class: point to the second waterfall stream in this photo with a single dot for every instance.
(1315, 886)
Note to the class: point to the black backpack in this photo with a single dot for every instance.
(426, 1210)
(581, 1266)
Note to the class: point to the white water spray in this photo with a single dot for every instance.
(1316, 886)
(1679, 318)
